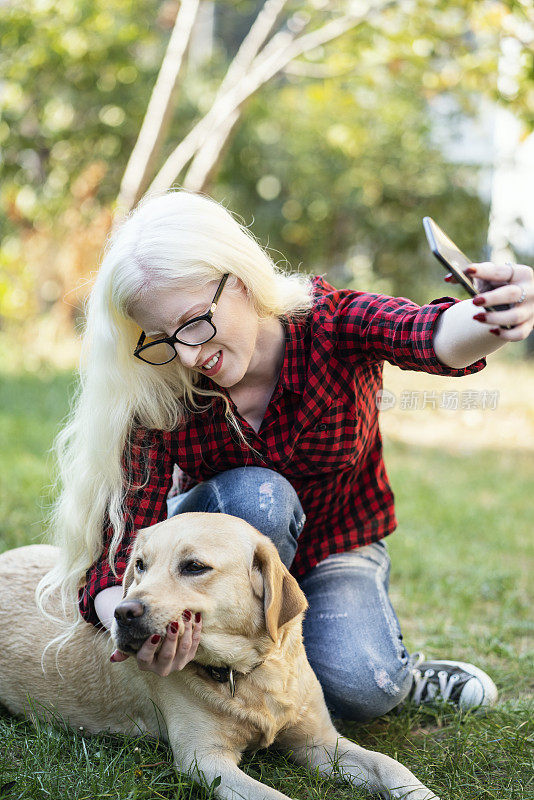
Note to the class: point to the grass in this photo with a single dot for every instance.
(461, 585)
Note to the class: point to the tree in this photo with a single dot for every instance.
(258, 59)
(329, 145)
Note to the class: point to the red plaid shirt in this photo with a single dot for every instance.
(320, 430)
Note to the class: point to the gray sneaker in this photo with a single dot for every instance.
(463, 685)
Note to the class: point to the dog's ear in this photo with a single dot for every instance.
(283, 598)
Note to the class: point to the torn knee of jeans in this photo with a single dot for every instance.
(267, 498)
(383, 679)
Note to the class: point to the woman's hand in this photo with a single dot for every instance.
(175, 652)
(497, 285)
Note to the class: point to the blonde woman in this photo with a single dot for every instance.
(261, 386)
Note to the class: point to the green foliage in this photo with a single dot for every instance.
(352, 171)
(336, 160)
(339, 170)
(76, 79)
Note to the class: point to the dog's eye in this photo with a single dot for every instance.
(139, 565)
(193, 567)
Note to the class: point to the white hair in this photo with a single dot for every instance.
(176, 239)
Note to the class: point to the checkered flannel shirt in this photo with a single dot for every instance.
(320, 430)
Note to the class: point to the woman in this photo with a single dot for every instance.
(261, 387)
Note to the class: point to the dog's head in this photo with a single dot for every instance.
(218, 565)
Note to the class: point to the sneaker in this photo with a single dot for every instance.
(455, 682)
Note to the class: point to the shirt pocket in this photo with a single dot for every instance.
(330, 442)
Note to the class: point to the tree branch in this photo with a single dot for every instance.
(264, 67)
(140, 166)
(261, 27)
(205, 161)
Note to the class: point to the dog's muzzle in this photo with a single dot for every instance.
(132, 625)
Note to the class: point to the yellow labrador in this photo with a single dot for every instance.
(249, 686)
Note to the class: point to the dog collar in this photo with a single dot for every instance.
(224, 674)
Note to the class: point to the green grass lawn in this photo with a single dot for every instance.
(461, 583)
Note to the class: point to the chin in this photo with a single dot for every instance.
(228, 381)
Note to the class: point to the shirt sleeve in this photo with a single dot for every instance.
(148, 463)
(394, 329)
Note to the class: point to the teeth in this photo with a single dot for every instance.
(211, 363)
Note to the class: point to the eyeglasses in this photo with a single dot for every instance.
(198, 330)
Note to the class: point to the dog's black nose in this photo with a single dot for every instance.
(129, 610)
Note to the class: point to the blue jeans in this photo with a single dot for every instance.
(351, 633)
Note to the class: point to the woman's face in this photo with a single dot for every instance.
(236, 321)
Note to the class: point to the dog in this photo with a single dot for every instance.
(249, 686)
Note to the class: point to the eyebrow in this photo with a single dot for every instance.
(190, 313)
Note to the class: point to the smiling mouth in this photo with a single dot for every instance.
(212, 362)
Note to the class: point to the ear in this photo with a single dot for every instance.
(283, 598)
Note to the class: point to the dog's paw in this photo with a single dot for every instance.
(417, 793)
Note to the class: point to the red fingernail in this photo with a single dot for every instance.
(186, 615)
(481, 317)
(479, 301)
(197, 616)
(155, 639)
(496, 331)
(174, 627)
(469, 271)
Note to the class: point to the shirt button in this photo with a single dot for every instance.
(321, 427)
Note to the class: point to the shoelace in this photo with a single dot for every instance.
(446, 684)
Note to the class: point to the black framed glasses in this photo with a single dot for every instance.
(198, 330)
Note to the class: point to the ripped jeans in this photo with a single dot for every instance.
(351, 634)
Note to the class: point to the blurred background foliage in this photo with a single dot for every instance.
(333, 164)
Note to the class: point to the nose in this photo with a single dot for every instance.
(129, 610)
(187, 355)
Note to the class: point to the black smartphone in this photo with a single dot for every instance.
(452, 258)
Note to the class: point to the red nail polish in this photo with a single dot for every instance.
(155, 639)
(197, 616)
(479, 301)
(174, 627)
(470, 271)
(480, 317)
(186, 615)
(496, 331)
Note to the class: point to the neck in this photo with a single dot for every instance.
(268, 355)
(235, 651)
(238, 654)
(227, 671)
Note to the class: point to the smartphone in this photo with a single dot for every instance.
(452, 258)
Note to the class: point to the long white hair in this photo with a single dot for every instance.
(178, 239)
